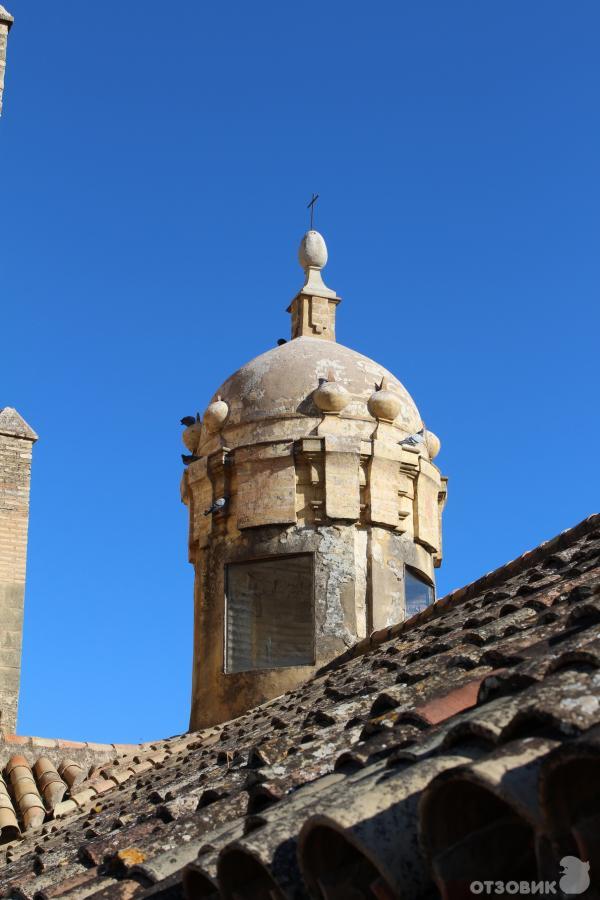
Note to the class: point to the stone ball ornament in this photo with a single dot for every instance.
(331, 397)
(191, 435)
(384, 404)
(433, 444)
(215, 415)
(313, 251)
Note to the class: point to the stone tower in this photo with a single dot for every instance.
(6, 21)
(314, 509)
(16, 441)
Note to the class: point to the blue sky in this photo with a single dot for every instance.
(156, 163)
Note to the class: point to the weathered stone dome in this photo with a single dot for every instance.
(281, 382)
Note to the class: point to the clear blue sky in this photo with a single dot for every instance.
(156, 161)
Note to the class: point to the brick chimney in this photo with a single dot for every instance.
(16, 441)
(6, 21)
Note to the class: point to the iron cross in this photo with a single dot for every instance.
(311, 206)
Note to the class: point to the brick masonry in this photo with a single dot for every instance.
(16, 441)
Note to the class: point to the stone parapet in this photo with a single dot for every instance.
(314, 480)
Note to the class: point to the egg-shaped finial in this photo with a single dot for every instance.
(312, 253)
(331, 397)
(384, 404)
(215, 415)
(191, 435)
(433, 443)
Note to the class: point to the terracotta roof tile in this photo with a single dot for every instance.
(9, 827)
(50, 784)
(441, 708)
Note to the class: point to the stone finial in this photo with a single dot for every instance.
(433, 444)
(384, 404)
(331, 397)
(215, 415)
(313, 309)
(191, 434)
(6, 21)
(312, 252)
(312, 255)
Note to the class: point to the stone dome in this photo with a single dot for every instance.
(280, 383)
(312, 517)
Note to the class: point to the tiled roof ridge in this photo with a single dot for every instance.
(88, 755)
(88, 752)
(459, 595)
(35, 742)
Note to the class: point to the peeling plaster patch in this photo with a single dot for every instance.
(377, 552)
(324, 366)
(395, 608)
(339, 571)
(360, 582)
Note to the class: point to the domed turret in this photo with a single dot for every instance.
(315, 509)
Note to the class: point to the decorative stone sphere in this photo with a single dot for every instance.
(331, 397)
(432, 442)
(384, 404)
(215, 415)
(191, 436)
(312, 251)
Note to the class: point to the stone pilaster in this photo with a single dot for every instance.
(16, 441)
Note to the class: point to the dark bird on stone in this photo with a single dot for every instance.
(186, 460)
(187, 421)
(281, 342)
(217, 505)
